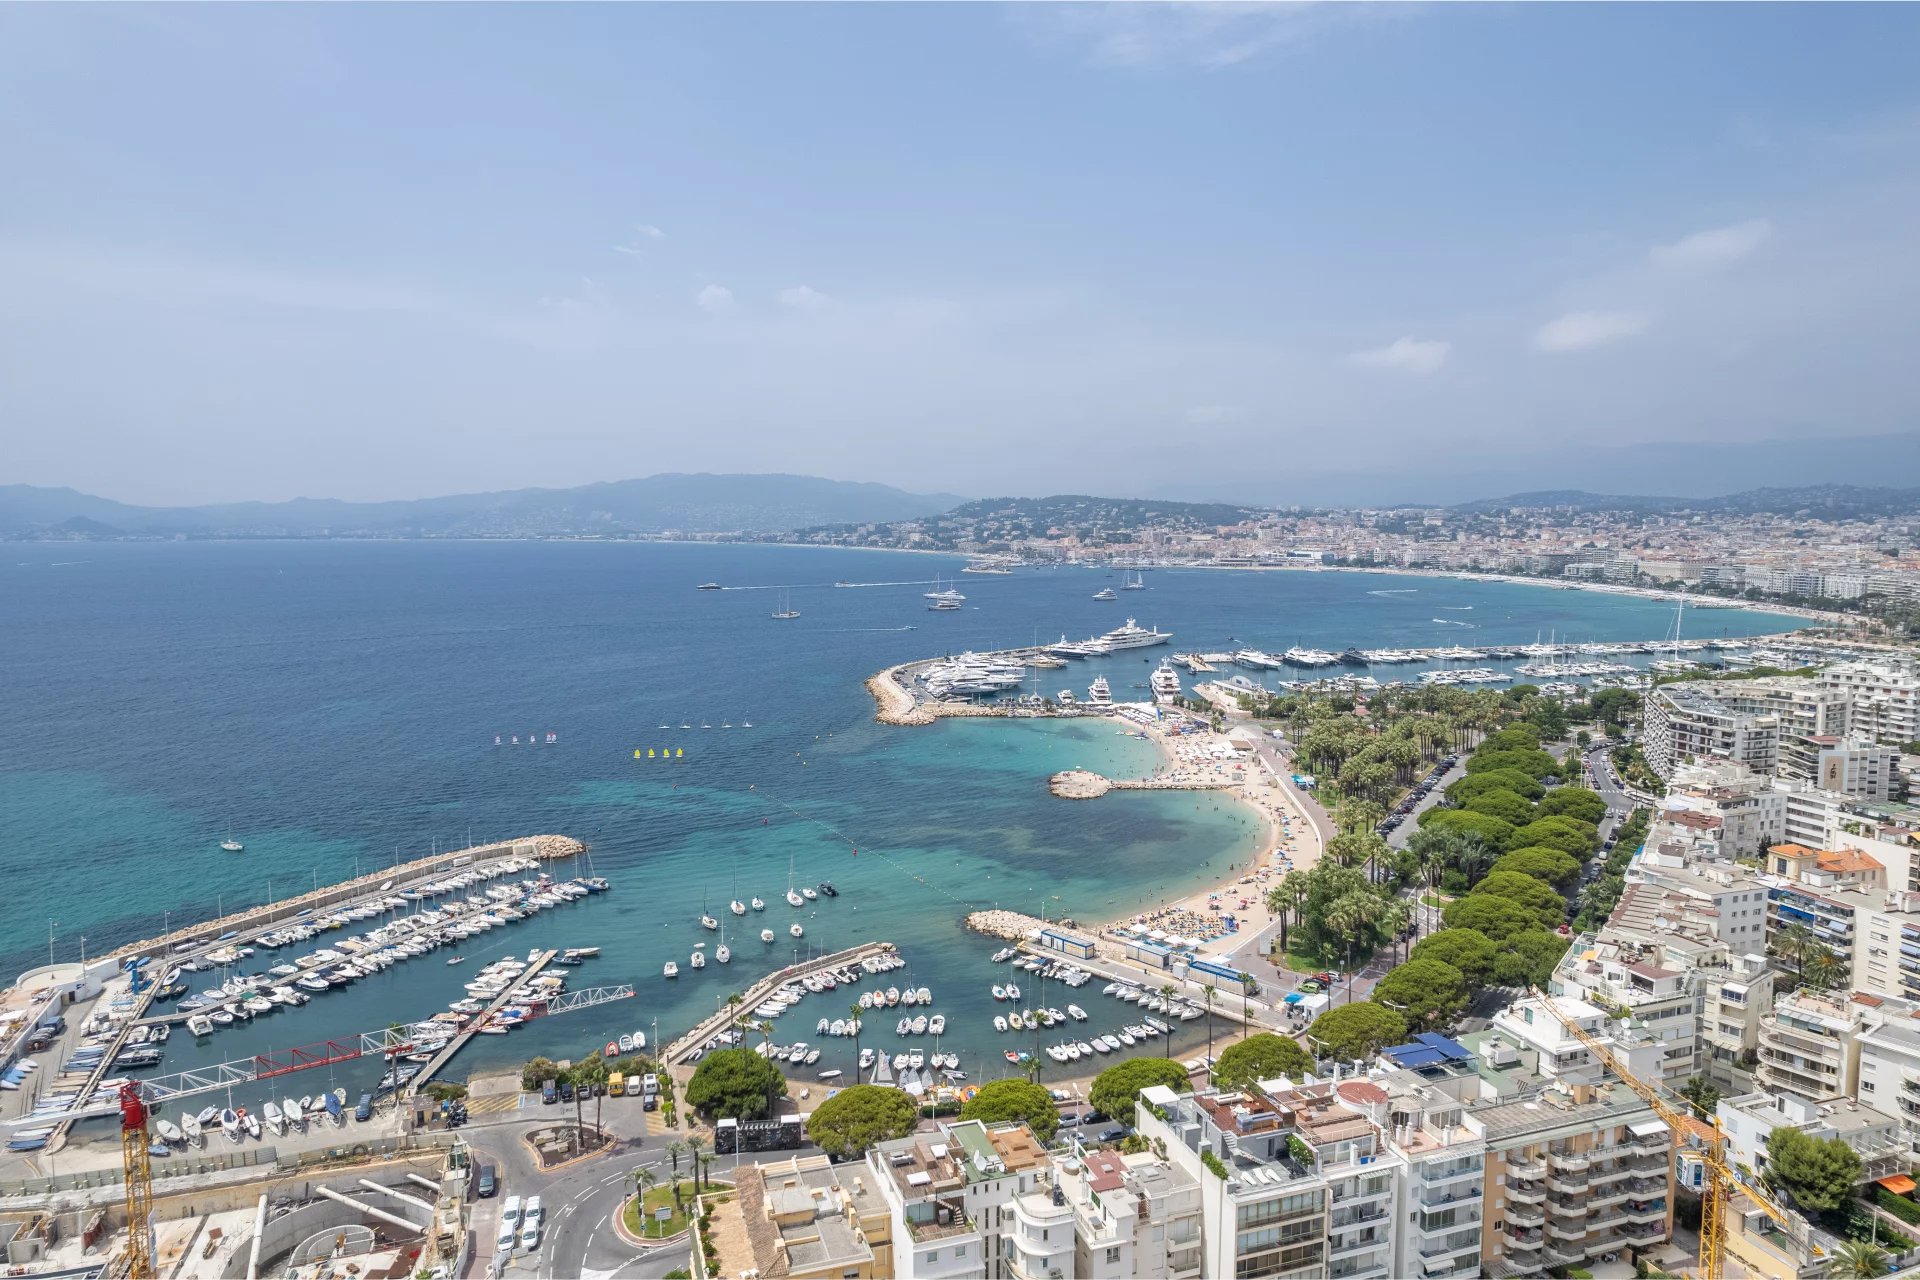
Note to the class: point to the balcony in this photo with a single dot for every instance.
(1561, 1207)
(1527, 1193)
(1572, 1184)
(1645, 1211)
(1649, 1164)
(1523, 1241)
(1464, 1242)
(1358, 1219)
(1355, 1247)
(1525, 1215)
(1603, 1196)
(1436, 1175)
(1644, 1142)
(1642, 1232)
(1566, 1231)
(1568, 1161)
(1611, 1174)
(1524, 1168)
(1565, 1257)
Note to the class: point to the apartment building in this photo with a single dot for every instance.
(1579, 1168)
(1888, 1072)
(1766, 724)
(1626, 978)
(803, 1218)
(1736, 807)
(1134, 1215)
(1807, 1044)
(1857, 767)
(1885, 697)
(1876, 1137)
(949, 1197)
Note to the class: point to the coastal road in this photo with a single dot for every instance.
(1399, 836)
(1607, 783)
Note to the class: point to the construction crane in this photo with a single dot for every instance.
(134, 1159)
(1722, 1184)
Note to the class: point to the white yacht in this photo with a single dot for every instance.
(699, 960)
(1135, 636)
(1299, 657)
(947, 595)
(1099, 693)
(1165, 681)
(1106, 593)
(670, 970)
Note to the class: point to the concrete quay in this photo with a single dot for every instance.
(707, 1028)
(262, 918)
(1083, 784)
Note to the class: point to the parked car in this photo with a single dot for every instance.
(549, 1091)
(486, 1181)
(566, 1091)
(530, 1225)
(509, 1223)
(365, 1110)
(1114, 1134)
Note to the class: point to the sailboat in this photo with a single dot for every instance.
(706, 918)
(738, 907)
(793, 895)
(786, 609)
(722, 954)
(1134, 582)
(230, 844)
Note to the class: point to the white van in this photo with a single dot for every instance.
(509, 1223)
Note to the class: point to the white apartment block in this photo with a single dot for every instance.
(1857, 767)
(1876, 1137)
(1734, 806)
(1764, 724)
(949, 1197)
(1886, 698)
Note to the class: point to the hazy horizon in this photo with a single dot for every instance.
(254, 253)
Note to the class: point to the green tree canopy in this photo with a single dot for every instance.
(1537, 896)
(1518, 736)
(1357, 1030)
(537, 1073)
(1504, 805)
(1573, 802)
(1518, 781)
(1550, 718)
(1260, 1057)
(1341, 908)
(1570, 836)
(1429, 993)
(1468, 950)
(1014, 1100)
(1489, 828)
(1537, 763)
(1527, 958)
(1819, 1173)
(1542, 863)
(735, 1082)
(1115, 1089)
(859, 1116)
(1496, 917)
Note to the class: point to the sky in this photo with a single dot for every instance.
(369, 252)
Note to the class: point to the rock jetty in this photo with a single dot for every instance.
(1078, 784)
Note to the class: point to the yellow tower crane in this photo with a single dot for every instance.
(1722, 1184)
(139, 1174)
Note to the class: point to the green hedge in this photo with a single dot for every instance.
(1899, 1206)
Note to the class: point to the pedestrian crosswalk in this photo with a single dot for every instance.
(495, 1104)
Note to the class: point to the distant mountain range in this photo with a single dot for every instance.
(655, 504)
(1827, 501)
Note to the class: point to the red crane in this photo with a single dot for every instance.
(139, 1174)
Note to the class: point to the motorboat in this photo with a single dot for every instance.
(699, 960)
(999, 1022)
(626, 1043)
(796, 930)
(252, 1125)
(670, 969)
(937, 1024)
(811, 895)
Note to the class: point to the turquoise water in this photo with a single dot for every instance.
(336, 703)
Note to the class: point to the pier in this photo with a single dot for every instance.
(254, 920)
(472, 1026)
(676, 1054)
(1083, 784)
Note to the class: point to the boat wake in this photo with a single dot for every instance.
(1452, 622)
(1394, 591)
(1454, 608)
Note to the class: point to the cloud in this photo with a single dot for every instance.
(803, 297)
(1704, 250)
(715, 298)
(1195, 33)
(1408, 355)
(645, 231)
(1581, 330)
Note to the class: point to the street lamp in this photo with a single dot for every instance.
(50, 923)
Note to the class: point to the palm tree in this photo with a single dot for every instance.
(643, 1182)
(675, 1150)
(734, 1002)
(592, 1073)
(702, 1161)
(1823, 969)
(1795, 942)
(1860, 1259)
(1285, 900)
(694, 1143)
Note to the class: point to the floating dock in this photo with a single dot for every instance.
(473, 1024)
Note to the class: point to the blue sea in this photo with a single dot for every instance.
(336, 704)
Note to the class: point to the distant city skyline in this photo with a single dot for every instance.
(364, 253)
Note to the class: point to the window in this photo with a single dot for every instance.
(1113, 1254)
(933, 1255)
